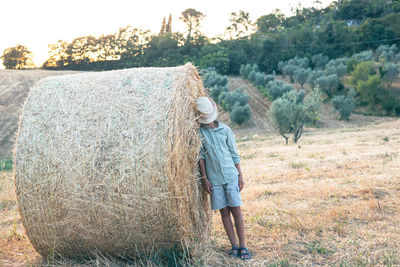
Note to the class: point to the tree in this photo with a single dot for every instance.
(328, 84)
(344, 105)
(292, 111)
(163, 26)
(386, 53)
(17, 57)
(270, 23)
(168, 28)
(391, 73)
(239, 24)
(313, 76)
(301, 75)
(277, 89)
(361, 73)
(369, 90)
(192, 18)
(240, 114)
(319, 60)
(214, 56)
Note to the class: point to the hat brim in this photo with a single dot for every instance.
(210, 118)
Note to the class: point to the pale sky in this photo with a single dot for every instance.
(37, 23)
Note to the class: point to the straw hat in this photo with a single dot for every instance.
(207, 108)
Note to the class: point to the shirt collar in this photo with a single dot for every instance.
(206, 126)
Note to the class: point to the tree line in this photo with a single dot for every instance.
(341, 29)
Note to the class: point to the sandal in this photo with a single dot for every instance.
(244, 254)
(234, 252)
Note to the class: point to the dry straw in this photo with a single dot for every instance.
(107, 162)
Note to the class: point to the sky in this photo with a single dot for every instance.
(37, 23)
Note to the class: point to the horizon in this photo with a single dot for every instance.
(94, 18)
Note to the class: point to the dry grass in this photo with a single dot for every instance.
(331, 199)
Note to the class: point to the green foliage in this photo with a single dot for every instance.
(340, 70)
(17, 57)
(344, 105)
(276, 89)
(217, 91)
(301, 75)
(369, 89)
(319, 60)
(361, 73)
(229, 99)
(386, 54)
(240, 113)
(214, 56)
(328, 84)
(212, 79)
(240, 24)
(391, 105)
(290, 112)
(313, 76)
(363, 56)
(391, 73)
(246, 70)
(6, 164)
(352, 64)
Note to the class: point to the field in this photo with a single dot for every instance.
(331, 199)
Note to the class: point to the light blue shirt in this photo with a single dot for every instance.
(219, 153)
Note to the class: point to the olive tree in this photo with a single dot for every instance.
(291, 112)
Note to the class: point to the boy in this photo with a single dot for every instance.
(221, 174)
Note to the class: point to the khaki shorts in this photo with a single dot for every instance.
(225, 195)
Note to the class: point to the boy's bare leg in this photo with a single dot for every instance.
(226, 220)
(237, 216)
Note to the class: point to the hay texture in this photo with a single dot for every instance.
(107, 162)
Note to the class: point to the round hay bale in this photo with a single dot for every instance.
(107, 162)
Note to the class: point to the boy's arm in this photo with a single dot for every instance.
(230, 141)
(241, 181)
(206, 183)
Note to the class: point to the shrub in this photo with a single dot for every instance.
(344, 105)
(240, 113)
(276, 89)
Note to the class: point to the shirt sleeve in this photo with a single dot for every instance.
(230, 141)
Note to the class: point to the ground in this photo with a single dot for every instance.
(331, 199)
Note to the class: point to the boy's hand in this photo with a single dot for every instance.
(241, 182)
(207, 186)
